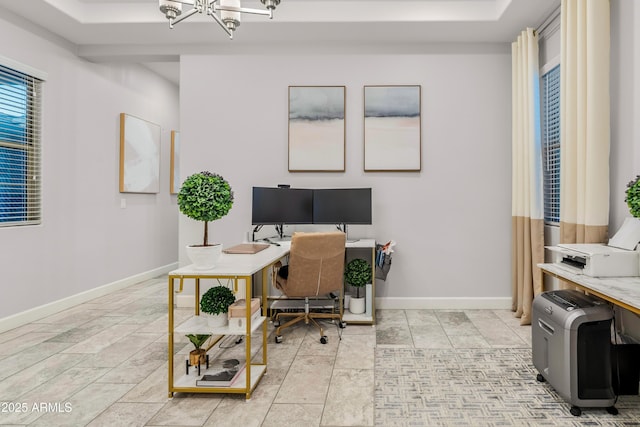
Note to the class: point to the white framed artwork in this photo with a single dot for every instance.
(316, 128)
(139, 155)
(392, 133)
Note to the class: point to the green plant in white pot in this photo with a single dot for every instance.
(357, 273)
(215, 302)
(205, 197)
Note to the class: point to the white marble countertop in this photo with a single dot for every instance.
(238, 264)
(623, 291)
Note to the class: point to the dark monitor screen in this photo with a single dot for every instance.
(281, 206)
(342, 206)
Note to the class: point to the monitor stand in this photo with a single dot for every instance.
(343, 228)
(280, 231)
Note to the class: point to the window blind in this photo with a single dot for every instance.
(551, 143)
(20, 149)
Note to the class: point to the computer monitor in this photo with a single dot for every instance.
(342, 206)
(281, 206)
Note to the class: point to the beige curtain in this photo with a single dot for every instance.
(584, 121)
(527, 212)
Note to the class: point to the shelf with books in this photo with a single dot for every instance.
(221, 378)
(228, 357)
(188, 383)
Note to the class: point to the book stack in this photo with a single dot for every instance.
(238, 314)
(223, 375)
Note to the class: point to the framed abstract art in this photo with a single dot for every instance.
(316, 128)
(139, 155)
(392, 133)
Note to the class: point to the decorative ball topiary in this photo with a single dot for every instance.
(633, 197)
(205, 196)
(216, 300)
(357, 273)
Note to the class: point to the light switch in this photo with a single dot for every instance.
(123, 203)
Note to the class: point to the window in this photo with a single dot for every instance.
(551, 144)
(19, 148)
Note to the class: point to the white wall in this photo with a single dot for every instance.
(625, 127)
(86, 240)
(451, 221)
(625, 105)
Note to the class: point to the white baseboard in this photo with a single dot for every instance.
(45, 310)
(488, 303)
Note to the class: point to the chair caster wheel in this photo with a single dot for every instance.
(540, 378)
(342, 325)
(324, 339)
(612, 410)
(575, 411)
(278, 339)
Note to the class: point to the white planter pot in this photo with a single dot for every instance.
(347, 300)
(204, 257)
(216, 320)
(356, 305)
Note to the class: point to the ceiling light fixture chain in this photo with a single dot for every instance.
(225, 12)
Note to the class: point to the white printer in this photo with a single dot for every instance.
(618, 258)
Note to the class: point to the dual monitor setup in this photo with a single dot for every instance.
(284, 205)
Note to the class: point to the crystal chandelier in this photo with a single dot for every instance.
(225, 12)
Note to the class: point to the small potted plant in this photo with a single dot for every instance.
(633, 197)
(205, 197)
(215, 302)
(198, 355)
(357, 273)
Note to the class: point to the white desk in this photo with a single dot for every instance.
(235, 267)
(621, 291)
(239, 267)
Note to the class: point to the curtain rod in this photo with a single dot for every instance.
(551, 23)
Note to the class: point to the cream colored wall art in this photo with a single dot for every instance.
(316, 128)
(139, 155)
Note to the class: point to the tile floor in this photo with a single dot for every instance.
(104, 363)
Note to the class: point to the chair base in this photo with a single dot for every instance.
(307, 317)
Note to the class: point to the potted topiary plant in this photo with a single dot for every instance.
(205, 197)
(357, 273)
(215, 302)
(197, 356)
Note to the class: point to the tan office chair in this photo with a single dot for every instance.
(316, 269)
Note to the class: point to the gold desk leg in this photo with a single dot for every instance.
(197, 295)
(247, 304)
(265, 278)
(181, 285)
(170, 335)
(373, 284)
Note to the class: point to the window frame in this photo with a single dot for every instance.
(551, 220)
(20, 160)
